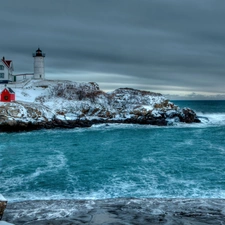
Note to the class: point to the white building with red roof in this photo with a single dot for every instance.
(6, 70)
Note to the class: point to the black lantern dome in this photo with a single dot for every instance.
(38, 53)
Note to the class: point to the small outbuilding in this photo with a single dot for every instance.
(7, 95)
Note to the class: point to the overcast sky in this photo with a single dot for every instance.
(175, 47)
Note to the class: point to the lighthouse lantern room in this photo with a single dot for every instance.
(39, 70)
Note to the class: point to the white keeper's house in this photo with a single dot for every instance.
(6, 69)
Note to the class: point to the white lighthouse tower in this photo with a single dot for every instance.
(39, 69)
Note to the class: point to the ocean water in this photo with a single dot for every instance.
(118, 161)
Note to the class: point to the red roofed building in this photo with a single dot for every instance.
(7, 95)
(6, 69)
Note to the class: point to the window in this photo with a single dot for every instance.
(1, 75)
(1, 67)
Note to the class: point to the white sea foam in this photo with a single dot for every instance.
(215, 119)
(207, 119)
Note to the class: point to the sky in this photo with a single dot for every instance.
(173, 47)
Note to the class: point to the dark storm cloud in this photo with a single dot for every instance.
(167, 45)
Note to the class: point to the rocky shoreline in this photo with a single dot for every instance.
(48, 105)
(187, 116)
(122, 211)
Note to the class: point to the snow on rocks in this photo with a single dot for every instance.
(49, 104)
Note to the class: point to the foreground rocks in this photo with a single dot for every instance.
(117, 212)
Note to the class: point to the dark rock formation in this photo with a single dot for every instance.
(187, 116)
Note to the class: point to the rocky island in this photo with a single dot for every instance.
(66, 104)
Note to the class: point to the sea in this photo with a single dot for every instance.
(118, 160)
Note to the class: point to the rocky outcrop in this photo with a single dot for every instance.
(37, 120)
(69, 105)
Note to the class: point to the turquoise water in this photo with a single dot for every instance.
(184, 160)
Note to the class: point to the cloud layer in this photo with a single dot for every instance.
(174, 47)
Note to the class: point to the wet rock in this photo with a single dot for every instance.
(188, 116)
(118, 211)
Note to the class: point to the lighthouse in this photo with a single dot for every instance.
(39, 69)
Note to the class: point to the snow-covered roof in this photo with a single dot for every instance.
(10, 90)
